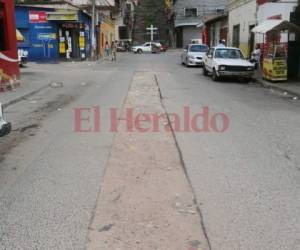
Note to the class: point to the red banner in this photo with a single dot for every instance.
(37, 17)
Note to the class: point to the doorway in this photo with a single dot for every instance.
(69, 37)
(179, 37)
(251, 40)
(236, 36)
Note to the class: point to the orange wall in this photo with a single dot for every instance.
(107, 33)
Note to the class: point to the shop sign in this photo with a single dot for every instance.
(46, 36)
(62, 48)
(275, 69)
(81, 42)
(55, 16)
(37, 17)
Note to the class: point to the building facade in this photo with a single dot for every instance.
(105, 33)
(215, 28)
(113, 20)
(54, 32)
(241, 20)
(188, 15)
(124, 20)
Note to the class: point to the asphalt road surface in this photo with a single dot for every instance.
(246, 180)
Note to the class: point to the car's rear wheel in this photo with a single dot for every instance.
(214, 75)
(204, 70)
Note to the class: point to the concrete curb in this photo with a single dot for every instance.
(273, 86)
(24, 96)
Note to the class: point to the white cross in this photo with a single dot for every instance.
(152, 29)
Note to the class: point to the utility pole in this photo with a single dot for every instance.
(93, 30)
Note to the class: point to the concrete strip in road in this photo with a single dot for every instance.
(146, 201)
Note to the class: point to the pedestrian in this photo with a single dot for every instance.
(106, 49)
(114, 51)
(256, 56)
(222, 43)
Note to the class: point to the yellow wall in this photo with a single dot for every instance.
(245, 49)
(107, 33)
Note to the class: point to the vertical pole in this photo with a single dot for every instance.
(1, 112)
(152, 32)
(93, 30)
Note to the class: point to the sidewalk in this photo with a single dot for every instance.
(26, 89)
(291, 86)
(36, 77)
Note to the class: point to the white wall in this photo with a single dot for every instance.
(267, 10)
(271, 9)
(191, 33)
(245, 15)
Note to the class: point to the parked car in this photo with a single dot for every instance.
(193, 54)
(22, 57)
(146, 47)
(164, 47)
(124, 45)
(227, 62)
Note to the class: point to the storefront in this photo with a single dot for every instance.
(274, 36)
(9, 66)
(52, 34)
(73, 34)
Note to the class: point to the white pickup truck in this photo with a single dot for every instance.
(227, 62)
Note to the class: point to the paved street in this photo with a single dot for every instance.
(245, 181)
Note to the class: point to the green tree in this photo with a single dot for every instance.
(151, 12)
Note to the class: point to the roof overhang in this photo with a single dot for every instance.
(51, 5)
(186, 24)
(200, 25)
(275, 25)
